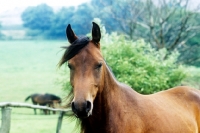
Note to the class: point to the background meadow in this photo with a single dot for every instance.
(28, 67)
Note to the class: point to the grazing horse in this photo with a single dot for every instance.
(44, 100)
(104, 105)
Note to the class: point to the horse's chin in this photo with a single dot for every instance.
(83, 116)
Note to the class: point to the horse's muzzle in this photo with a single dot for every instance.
(82, 110)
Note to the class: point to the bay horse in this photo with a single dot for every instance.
(44, 100)
(104, 105)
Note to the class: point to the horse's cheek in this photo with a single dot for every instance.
(97, 76)
(94, 92)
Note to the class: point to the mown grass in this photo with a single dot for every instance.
(28, 67)
(24, 121)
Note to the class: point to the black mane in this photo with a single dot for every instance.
(73, 49)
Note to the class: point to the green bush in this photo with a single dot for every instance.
(140, 66)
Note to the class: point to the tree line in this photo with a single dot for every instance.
(169, 24)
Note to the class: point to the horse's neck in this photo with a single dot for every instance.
(109, 88)
(113, 89)
(108, 103)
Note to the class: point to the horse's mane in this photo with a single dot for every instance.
(73, 49)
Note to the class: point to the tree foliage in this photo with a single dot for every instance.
(42, 21)
(60, 21)
(169, 24)
(38, 17)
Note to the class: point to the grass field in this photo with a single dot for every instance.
(28, 67)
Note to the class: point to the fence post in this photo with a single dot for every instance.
(6, 118)
(59, 122)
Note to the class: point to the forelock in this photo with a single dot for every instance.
(74, 49)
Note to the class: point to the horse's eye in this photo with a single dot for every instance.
(99, 66)
(70, 66)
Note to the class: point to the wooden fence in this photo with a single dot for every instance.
(6, 114)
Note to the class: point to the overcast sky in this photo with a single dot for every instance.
(10, 10)
(10, 4)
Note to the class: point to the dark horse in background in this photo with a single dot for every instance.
(47, 99)
(104, 105)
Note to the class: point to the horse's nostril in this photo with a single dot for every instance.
(73, 107)
(81, 109)
(88, 106)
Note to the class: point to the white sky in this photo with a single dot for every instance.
(10, 4)
(10, 9)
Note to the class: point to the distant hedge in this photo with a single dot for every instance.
(140, 66)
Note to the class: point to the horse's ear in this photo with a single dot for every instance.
(96, 33)
(70, 34)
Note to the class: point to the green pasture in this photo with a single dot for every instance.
(28, 67)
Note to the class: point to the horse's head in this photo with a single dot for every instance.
(86, 69)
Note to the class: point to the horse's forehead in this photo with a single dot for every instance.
(89, 53)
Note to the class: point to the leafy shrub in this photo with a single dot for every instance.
(140, 66)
